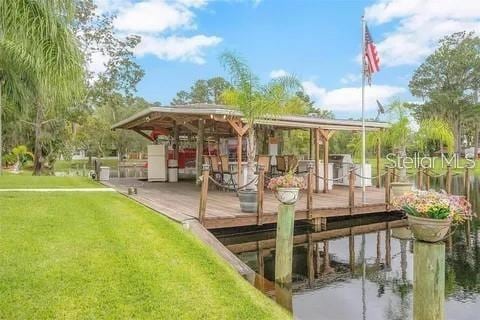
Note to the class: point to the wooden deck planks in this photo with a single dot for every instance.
(182, 199)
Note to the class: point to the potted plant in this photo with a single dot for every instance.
(256, 101)
(430, 214)
(287, 187)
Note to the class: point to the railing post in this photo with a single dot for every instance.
(387, 187)
(260, 193)
(203, 195)
(351, 190)
(420, 178)
(467, 183)
(427, 178)
(448, 182)
(310, 180)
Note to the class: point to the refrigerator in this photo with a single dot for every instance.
(157, 162)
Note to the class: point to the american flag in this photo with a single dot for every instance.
(372, 60)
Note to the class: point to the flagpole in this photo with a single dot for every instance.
(363, 111)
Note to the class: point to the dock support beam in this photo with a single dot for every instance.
(284, 244)
(310, 179)
(199, 154)
(203, 195)
(429, 281)
(260, 194)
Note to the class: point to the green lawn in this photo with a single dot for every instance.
(9, 181)
(101, 255)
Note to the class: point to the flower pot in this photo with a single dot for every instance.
(400, 188)
(248, 200)
(429, 230)
(287, 195)
(402, 233)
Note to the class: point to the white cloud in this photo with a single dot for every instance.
(177, 48)
(161, 24)
(156, 16)
(420, 24)
(349, 99)
(277, 73)
(350, 77)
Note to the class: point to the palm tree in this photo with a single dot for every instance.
(401, 134)
(41, 63)
(255, 100)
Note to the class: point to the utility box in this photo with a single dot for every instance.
(104, 174)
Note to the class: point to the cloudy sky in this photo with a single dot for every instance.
(317, 40)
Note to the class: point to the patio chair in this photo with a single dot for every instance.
(227, 170)
(263, 160)
(281, 164)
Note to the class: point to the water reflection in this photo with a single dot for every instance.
(370, 268)
(364, 269)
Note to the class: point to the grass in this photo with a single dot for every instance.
(101, 255)
(10, 181)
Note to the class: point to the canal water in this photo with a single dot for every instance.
(370, 268)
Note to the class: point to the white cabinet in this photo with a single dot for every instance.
(157, 162)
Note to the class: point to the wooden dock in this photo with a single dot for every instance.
(180, 201)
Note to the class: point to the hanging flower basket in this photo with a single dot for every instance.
(430, 214)
(287, 188)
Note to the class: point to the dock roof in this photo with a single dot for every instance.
(216, 118)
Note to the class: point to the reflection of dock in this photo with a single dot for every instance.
(316, 265)
(314, 236)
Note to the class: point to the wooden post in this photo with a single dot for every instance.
(351, 190)
(317, 159)
(420, 178)
(325, 164)
(239, 160)
(199, 154)
(284, 244)
(203, 195)
(176, 140)
(429, 281)
(379, 151)
(467, 183)
(260, 193)
(448, 182)
(260, 259)
(310, 178)
(427, 178)
(394, 174)
(388, 175)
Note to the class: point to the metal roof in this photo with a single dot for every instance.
(144, 119)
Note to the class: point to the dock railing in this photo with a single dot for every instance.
(390, 175)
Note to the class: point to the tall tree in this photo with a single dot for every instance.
(37, 35)
(448, 81)
(255, 100)
(203, 91)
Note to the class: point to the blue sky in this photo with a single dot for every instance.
(318, 41)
